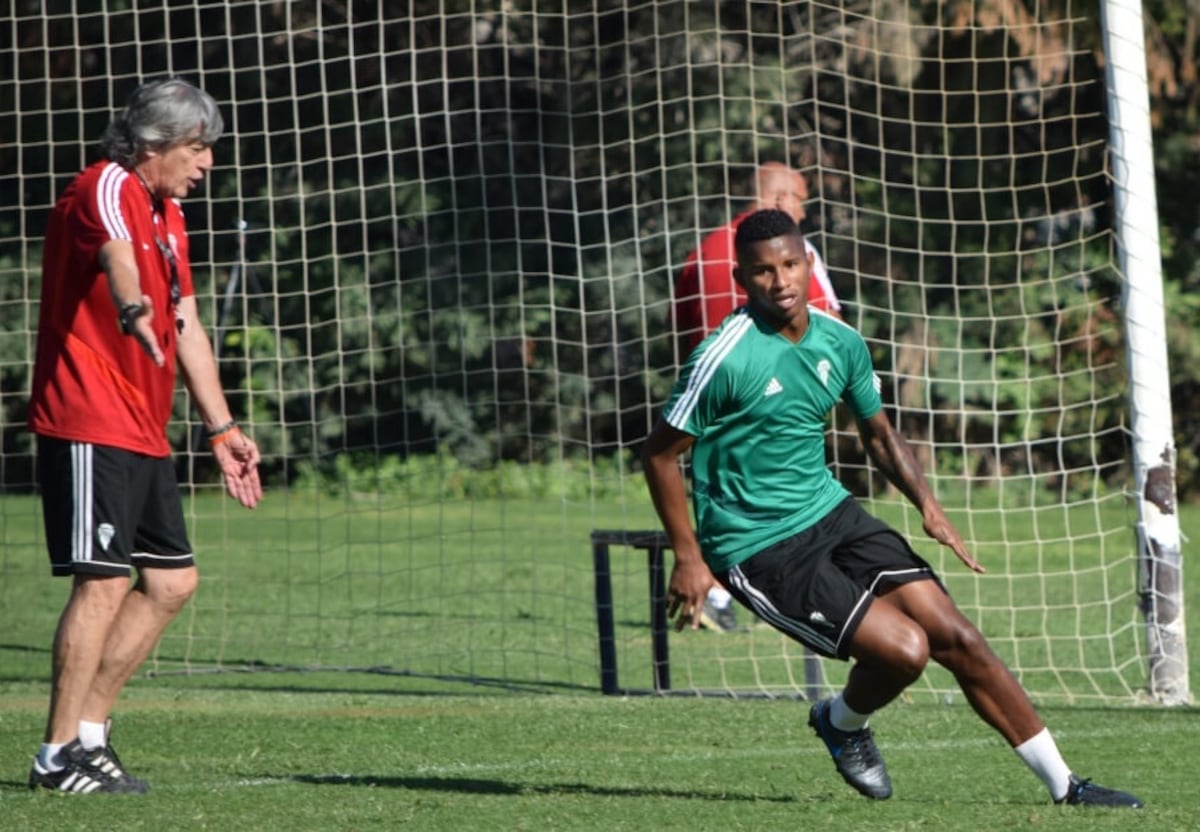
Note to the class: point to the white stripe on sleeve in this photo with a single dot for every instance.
(112, 178)
(710, 359)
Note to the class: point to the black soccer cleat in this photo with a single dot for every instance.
(854, 753)
(95, 771)
(1087, 793)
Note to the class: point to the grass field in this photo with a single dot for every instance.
(432, 751)
(347, 753)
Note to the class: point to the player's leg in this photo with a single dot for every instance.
(796, 588)
(889, 649)
(79, 640)
(167, 578)
(910, 597)
(147, 609)
(994, 693)
(89, 534)
(890, 652)
(956, 644)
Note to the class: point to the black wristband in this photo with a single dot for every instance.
(127, 314)
(225, 428)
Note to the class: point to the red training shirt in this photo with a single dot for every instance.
(706, 290)
(91, 383)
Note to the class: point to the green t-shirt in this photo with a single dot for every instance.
(757, 405)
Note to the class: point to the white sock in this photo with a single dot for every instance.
(48, 756)
(92, 734)
(719, 596)
(1040, 752)
(845, 718)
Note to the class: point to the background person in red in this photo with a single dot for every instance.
(706, 292)
(117, 314)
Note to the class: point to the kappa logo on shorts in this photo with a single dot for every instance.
(105, 533)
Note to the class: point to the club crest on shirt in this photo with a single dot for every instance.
(823, 368)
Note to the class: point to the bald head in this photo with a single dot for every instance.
(781, 188)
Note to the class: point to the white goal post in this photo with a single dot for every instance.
(1136, 227)
(438, 256)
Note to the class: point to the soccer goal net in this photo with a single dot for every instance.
(438, 257)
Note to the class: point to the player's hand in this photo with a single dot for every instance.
(238, 457)
(688, 590)
(143, 332)
(939, 527)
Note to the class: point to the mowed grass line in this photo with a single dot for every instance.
(345, 751)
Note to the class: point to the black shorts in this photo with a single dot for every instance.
(108, 510)
(817, 585)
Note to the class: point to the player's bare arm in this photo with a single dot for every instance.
(891, 454)
(690, 576)
(235, 452)
(132, 310)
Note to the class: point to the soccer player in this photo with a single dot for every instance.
(790, 542)
(706, 292)
(117, 312)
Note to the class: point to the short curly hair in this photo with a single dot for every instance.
(161, 114)
(766, 224)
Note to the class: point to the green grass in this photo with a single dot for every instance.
(349, 752)
(490, 716)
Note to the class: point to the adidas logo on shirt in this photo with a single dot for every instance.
(773, 387)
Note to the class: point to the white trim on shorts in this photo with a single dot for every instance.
(82, 520)
(798, 629)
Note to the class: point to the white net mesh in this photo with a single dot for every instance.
(438, 254)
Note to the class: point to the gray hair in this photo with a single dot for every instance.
(160, 115)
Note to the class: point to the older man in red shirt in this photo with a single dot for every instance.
(118, 314)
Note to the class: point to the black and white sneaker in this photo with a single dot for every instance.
(1087, 793)
(719, 619)
(86, 772)
(854, 753)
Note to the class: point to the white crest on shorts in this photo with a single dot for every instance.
(105, 533)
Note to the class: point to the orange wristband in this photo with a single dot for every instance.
(223, 436)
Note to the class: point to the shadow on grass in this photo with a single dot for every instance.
(247, 674)
(467, 785)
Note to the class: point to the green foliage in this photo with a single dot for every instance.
(414, 276)
(451, 476)
(18, 324)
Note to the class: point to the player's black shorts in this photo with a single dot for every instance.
(816, 586)
(107, 510)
